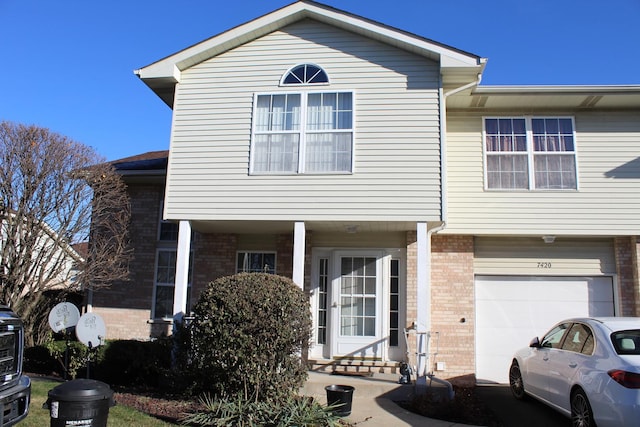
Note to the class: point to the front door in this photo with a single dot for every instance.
(357, 306)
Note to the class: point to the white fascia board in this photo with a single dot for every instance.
(561, 90)
(172, 65)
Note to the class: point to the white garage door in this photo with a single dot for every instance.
(510, 311)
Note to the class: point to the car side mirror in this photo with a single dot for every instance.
(535, 343)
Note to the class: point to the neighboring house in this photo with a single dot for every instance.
(54, 263)
(370, 166)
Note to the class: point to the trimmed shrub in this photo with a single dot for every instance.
(247, 337)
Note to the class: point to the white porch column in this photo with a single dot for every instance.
(182, 271)
(423, 280)
(299, 243)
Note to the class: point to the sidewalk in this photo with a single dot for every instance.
(373, 400)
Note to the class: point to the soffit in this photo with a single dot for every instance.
(540, 98)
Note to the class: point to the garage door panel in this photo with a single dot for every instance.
(510, 311)
(601, 309)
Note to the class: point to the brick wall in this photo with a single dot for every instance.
(452, 299)
(126, 305)
(214, 257)
(453, 306)
(627, 253)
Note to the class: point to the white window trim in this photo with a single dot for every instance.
(530, 154)
(303, 132)
(284, 76)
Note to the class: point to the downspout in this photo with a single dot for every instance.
(424, 327)
(443, 139)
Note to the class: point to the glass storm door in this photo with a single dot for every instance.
(357, 307)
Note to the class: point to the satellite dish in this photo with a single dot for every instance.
(62, 316)
(90, 330)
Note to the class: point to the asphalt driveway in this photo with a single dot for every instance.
(515, 413)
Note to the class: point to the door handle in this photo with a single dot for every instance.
(573, 364)
(334, 304)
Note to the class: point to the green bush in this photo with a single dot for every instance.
(247, 337)
(142, 364)
(134, 363)
(77, 357)
(241, 412)
(38, 360)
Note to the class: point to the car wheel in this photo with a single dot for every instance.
(581, 413)
(515, 381)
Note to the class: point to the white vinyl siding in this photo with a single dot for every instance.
(607, 202)
(531, 256)
(396, 169)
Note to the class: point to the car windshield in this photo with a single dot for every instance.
(626, 342)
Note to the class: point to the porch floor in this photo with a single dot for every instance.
(374, 399)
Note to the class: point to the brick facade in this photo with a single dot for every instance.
(126, 305)
(453, 304)
(627, 253)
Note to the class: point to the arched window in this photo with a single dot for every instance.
(304, 74)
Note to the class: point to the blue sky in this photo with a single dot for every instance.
(68, 65)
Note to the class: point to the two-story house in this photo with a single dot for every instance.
(372, 167)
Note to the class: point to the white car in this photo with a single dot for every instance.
(586, 368)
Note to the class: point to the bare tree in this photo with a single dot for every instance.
(56, 193)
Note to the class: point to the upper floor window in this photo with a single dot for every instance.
(307, 132)
(530, 153)
(305, 74)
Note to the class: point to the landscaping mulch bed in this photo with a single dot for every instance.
(465, 408)
(169, 410)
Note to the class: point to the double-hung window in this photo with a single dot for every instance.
(165, 270)
(308, 132)
(530, 153)
(165, 282)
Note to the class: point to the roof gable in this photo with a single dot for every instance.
(457, 66)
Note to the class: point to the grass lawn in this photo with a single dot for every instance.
(118, 415)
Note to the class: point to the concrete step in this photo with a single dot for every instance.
(353, 365)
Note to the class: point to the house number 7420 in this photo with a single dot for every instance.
(544, 265)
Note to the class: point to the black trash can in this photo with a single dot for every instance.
(341, 396)
(80, 402)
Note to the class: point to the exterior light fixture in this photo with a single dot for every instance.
(549, 239)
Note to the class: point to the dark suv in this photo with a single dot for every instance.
(15, 388)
